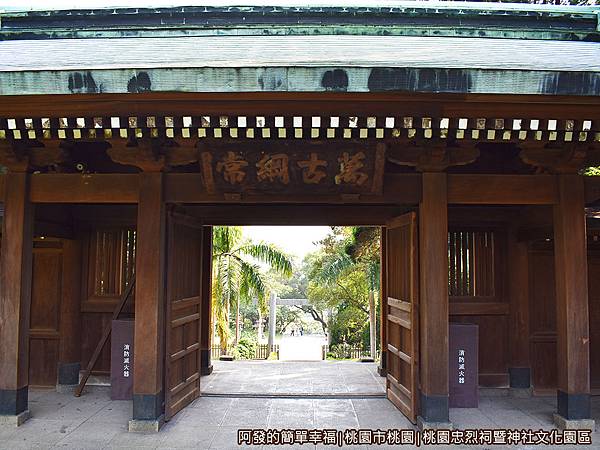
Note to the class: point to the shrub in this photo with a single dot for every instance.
(245, 349)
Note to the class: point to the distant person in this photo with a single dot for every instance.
(292, 332)
(301, 331)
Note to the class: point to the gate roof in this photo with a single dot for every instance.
(454, 47)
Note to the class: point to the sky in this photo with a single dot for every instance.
(294, 240)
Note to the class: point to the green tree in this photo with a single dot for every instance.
(286, 315)
(237, 276)
(344, 276)
(363, 249)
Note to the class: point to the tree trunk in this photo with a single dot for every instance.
(260, 326)
(237, 322)
(372, 325)
(223, 334)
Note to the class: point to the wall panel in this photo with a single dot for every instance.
(477, 273)
(594, 308)
(44, 329)
(542, 316)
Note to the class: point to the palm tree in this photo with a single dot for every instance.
(238, 278)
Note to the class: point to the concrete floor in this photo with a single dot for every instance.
(93, 421)
(293, 377)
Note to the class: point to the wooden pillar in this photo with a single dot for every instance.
(15, 297)
(519, 369)
(206, 326)
(572, 320)
(433, 308)
(382, 369)
(69, 354)
(148, 393)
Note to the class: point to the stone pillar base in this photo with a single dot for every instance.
(382, 367)
(16, 420)
(423, 425)
(519, 377)
(434, 410)
(206, 366)
(146, 426)
(573, 406)
(14, 402)
(68, 373)
(578, 424)
(148, 413)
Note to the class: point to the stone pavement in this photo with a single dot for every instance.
(93, 421)
(293, 377)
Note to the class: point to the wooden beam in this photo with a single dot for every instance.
(149, 300)
(399, 189)
(188, 188)
(471, 308)
(84, 188)
(434, 309)
(206, 324)
(502, 189)
(572, 319)
(15, 295)
(299, 103)
(289, 214)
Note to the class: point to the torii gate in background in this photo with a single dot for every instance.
(274, 300)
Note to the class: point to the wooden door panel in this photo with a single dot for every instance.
(402, 314)
(594, 311)
(43, 360)
(184, 253)
(44, 322)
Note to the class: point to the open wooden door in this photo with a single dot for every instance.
(402, 281)
(183, 313)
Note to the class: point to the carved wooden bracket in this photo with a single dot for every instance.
(145, 154)
(49, 153)
(431, 156)
(185, 151)
(153, 155)
(560, 157)
(14, 156)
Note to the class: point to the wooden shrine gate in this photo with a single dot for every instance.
(402, 279)
(183, 312)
